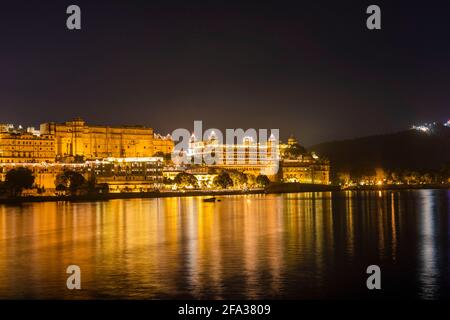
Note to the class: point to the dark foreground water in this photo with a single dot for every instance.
(310, 245)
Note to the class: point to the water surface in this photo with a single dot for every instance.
(295, 246)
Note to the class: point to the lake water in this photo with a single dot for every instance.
(290, 246)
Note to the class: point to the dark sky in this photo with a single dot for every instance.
(309, 68)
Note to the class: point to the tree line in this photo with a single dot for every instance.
(73, 183)
(410, 177)
(224, 179)
(68, 182)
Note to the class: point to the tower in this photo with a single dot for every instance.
(292, 140)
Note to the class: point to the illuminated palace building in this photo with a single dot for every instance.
(122, 156)
(304, 167)
(128, 174)
(279, 161)
(134, 158)
(248, 156)
(19, 146)
(75, 141)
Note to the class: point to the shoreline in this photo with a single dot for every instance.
(136, 195)
(273, 189)
(397, 187)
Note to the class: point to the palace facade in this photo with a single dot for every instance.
(253, 158)
(77, 139)
(18, 146)
(163, 144)
(128, 174)
(247, 156)
(120, 174)
(305, 170)
(133, 157)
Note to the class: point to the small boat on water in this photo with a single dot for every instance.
(213, 199)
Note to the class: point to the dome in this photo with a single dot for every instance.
(292, 140)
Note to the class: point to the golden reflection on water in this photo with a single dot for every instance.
(256, 246)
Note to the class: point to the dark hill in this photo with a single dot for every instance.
(407, 150)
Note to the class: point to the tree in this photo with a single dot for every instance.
(91, 184)
(185, 179)
(62, 182)
(262, 180)
(61, 188)
(251, 180)
(3, 189)
(343, 178)
(411, 177)
(444, 173)
(18, 179)
(71, 180)
(103, 188)
(168, 181)
(294, 151)
(76, 181)
(223, 180)
(239, 178)
(380, 174)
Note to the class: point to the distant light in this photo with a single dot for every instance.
(423, 128)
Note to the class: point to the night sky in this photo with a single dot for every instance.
(308, 68)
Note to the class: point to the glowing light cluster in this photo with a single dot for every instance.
(429, 127)
(423, 128)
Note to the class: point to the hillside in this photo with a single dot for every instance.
(405, 150)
